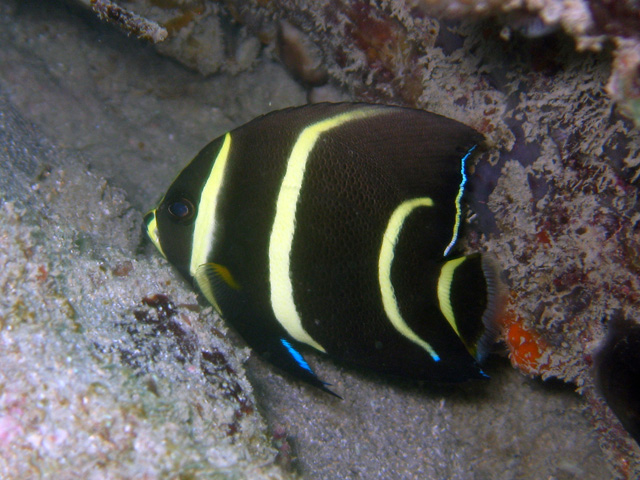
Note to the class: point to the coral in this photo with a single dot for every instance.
(300, 55)
(527, 349)
(129, 21)
(197, 32)
(618, 18)
(390, 38)
(624, 83)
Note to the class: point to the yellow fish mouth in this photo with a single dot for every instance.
(152, 230)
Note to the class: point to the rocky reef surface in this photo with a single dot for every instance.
(103, 376)
(387, 43)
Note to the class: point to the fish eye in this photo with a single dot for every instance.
(181, 209)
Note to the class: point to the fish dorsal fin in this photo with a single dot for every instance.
(422, 150)
(468, 294)
(419, 154)
(215, 282)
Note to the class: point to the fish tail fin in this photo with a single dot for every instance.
(469, 294)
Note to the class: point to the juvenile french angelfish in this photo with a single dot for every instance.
(333, 226)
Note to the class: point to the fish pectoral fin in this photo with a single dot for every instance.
(285, 356)
(221, 273)
(216, 282)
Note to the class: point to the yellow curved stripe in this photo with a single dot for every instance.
(281, 239)
(385, 260)
(203, 281)
(444, 291)
(205, 224)
(152, 232)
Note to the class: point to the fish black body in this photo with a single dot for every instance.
(617, 365)
(334, 226)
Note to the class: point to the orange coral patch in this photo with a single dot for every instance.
(526, 346)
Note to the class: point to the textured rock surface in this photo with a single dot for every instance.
(135, 119)
(110, 369)
(386, 37)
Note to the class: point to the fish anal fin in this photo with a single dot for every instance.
(285, 356)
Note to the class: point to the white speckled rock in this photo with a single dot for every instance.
(110, 369)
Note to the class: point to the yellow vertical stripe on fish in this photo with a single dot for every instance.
(152, 231)
(385, 260)
(444, 291)
(205, 224)
(281, 240)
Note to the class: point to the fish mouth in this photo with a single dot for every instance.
(151, 227)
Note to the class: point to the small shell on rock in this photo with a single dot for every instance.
(301, 56)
